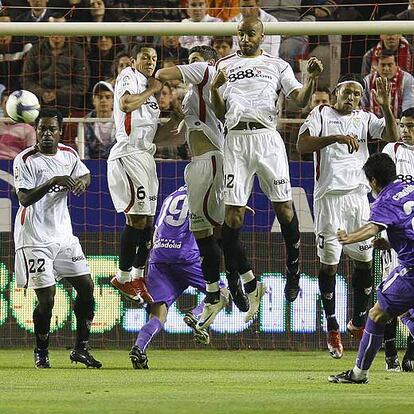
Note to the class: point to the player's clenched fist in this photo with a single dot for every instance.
(342, 236)
(154, 84)
(219, 79)
(314, 67)
(64, 181)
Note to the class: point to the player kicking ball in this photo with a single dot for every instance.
(338, 136)
(174, 265)
(393, 211)
(46, 249)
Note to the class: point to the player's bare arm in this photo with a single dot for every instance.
(129, 103)
(307, 143)
(363, 233)
(382, 96)
(168, 74)
(27, 197)
(219, 104)
(303, 95)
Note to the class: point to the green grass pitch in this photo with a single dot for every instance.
(195, 382)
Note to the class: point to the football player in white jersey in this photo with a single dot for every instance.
(204, 176)
(46, 249)
(402, 153)
(338, 136)
(244, 93)
(132, 175)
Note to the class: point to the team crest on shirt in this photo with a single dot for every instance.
(126, 80)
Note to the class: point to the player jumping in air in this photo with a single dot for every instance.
(46, 249)
(204, 176)
(244, 93)
(132, 175)
(338, 136)
(393, 211)
(402, 153)
(174, 265)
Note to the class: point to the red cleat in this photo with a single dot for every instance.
(355, 331)
(127, 289)
(334, 343)
(140, 286)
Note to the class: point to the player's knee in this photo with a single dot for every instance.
(362, 279)
(209, 250)
(234, 216)
(377, 315)
(159, 311)
(136, 221)
(284, 211)
(326, 280)
(46, 304)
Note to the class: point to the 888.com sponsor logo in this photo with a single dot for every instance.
(247, 73)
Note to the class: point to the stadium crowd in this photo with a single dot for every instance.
(77, 75)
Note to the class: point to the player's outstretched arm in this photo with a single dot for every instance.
(27, 197)
(219, 105)
(363, 233)
(129, 103)
(382, 95)
(302, 96)
(169, 74)
(307, 143)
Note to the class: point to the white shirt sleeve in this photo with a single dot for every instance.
(79, 168)
(288, 80)
(126, 82)
(23, 177)
(389, 149)
(375, 126)
(313, 123)
(194, 72)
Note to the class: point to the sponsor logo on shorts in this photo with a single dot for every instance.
(78, 258)
(365, 247)
(167, 244)
(281, 181)
(152, 198)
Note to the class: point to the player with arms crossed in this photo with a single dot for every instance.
(204, 175)
(174, 265)
(244, 93)
(132, 175)
(393, 211)
(338, 136)
(402, 153)
(46, 248)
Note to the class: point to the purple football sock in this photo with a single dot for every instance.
(370, 344)
(147, 332)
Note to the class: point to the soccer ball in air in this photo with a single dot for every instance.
(23, 106)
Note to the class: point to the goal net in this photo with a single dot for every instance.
(70, 73)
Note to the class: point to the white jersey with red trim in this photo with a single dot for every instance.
(253, 87)
(135, 130)
(336, 170)
(197, 106)
(403, 156)
(46, 221)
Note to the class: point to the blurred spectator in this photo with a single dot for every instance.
(149, 10)
(401, 85)
(396, 44)
(73, 10)
(12, 53)
(223, 9)
(223, 45)
(102, 53)
(100, 136)
(408, 14)
(14, 138)
(270, 44)
(38, 12)
(197, 10)
(121, 61)
(321, 96)
(165, 100)
(57, 72)
(170, 49)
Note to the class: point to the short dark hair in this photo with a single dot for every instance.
(50, 113)
(409, 113)
(381, 167)
(386, 53)
(222, 39)
(138, 48)
(352, 77)
(116, 60)
(322, 89)
(207, 52)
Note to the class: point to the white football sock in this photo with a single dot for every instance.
(123, 276)
(137, 273)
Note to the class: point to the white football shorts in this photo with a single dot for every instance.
(41, 267)
(259, 152)
(205, 184)
(346, 212)
(133, 184)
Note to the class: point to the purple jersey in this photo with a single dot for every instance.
(394, 210)
(173, 240)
